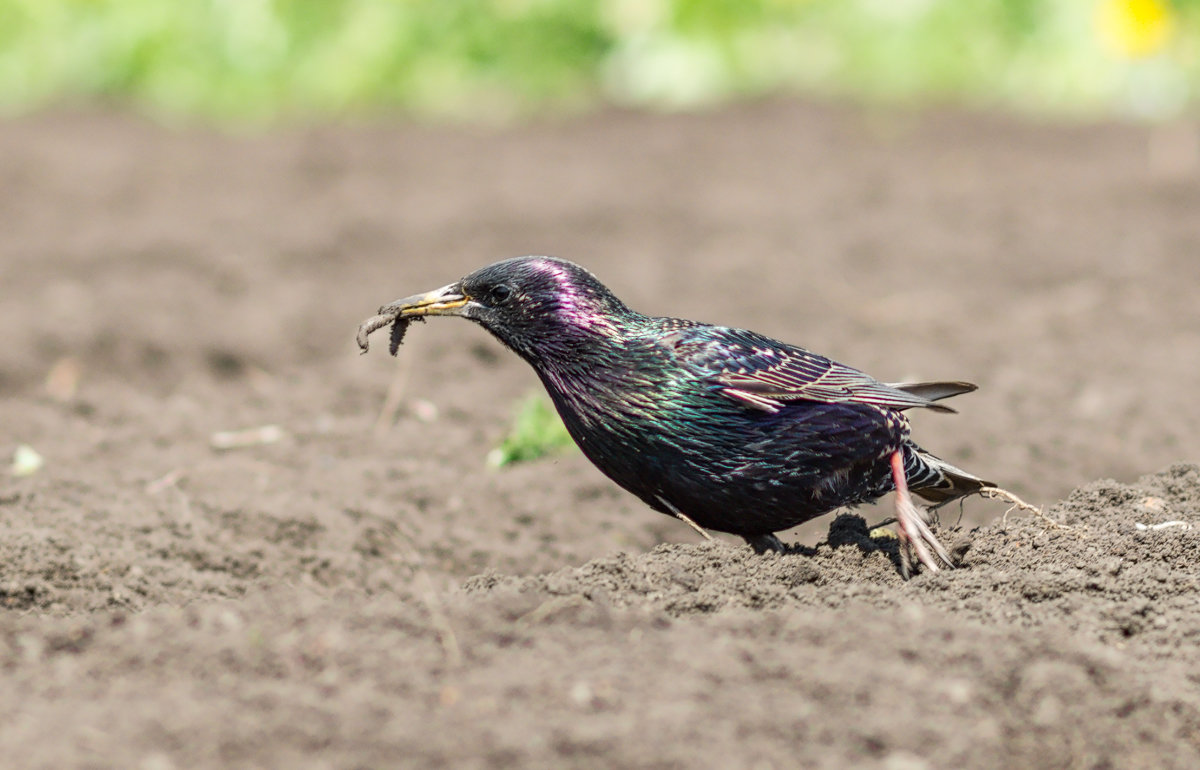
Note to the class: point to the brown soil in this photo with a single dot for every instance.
(363, 592)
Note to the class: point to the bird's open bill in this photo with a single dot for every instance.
(448, 300)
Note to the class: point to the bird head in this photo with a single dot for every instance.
(546, 309)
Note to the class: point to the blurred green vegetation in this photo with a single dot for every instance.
(251, 60)
(536, 432)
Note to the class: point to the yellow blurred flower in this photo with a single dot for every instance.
(1134, 28)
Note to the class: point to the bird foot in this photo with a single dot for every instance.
(916, 538)
(765, 543)
(915, 535)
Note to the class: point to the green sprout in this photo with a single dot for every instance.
(536, 432)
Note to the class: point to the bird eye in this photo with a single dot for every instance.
(501, 294)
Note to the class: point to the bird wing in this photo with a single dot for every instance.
(765, 373)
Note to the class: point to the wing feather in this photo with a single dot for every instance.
(765, 374)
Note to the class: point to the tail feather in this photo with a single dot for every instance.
(935, 391)
(936, 480)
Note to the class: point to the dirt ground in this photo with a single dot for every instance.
(362, 592)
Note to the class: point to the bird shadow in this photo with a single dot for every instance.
(846, 529)
(850, 529)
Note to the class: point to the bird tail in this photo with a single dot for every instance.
(936, 480)
(934, 391)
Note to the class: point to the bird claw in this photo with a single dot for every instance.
(917, 538)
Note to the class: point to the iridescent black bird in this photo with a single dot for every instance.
(723, 428)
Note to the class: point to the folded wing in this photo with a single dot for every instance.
(765, 374)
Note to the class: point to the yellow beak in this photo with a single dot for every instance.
(448, 300)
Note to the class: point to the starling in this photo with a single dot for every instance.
(722, 428)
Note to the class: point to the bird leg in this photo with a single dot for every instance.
(914, 532)
(684, 518)
(765, 543)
